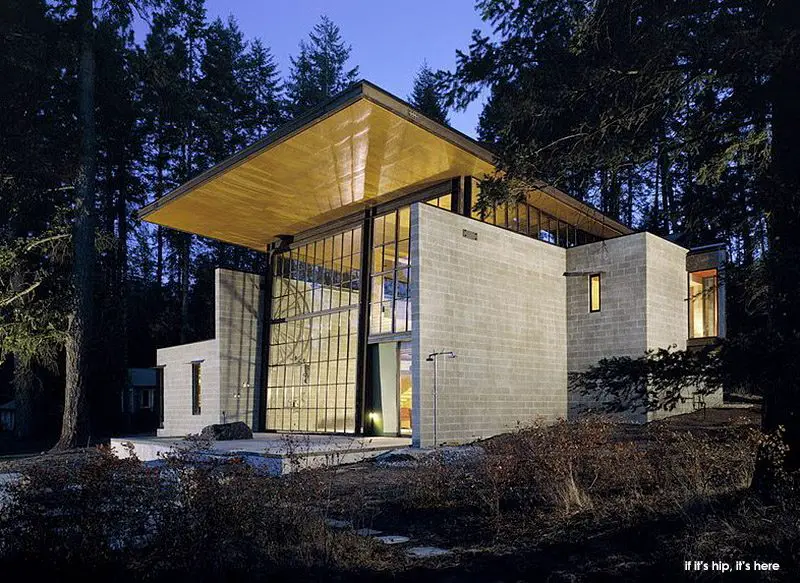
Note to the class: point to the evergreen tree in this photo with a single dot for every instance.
(75, 428)
(151, 117)
(239, 101)
(37, 133)
(425, 95)
(320, 70)
(238, 92)
(698, 99)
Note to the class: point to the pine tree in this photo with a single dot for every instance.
(75, 424)
(426, 97)
(238, 102)
(320, 70)
(75, 428)
(37, 135)
(698, 98)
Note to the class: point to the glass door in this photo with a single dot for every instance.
(404, 387)
(389, 395)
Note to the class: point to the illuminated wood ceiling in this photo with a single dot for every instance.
(363, 147)
(328, 168)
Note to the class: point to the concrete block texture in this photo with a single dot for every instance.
(239, 304)
(231, 367)
(499, 303)
(620, 327)
(644, 306)
(177, 363)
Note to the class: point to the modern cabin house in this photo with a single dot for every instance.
(391, 307)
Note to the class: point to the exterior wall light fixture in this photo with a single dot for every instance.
(433, 357)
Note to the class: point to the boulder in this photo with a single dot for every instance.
(227, 431)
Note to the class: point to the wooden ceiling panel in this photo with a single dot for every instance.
(361, 148)
(335, 166)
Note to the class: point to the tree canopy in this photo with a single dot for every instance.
(157, 112)
(677, 117)
(426, 97)
(320, 70)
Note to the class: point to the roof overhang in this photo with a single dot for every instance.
(559, 203)
(361, 148)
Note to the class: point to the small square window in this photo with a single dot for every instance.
(594, 292)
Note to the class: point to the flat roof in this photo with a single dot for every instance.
(362, 147)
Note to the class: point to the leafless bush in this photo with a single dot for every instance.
(590, 465)
(689, 465)
(747, 529)
(213, 519)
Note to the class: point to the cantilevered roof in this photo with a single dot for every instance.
(362, 147)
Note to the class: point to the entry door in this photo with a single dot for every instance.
(389, 402)
(404, 386)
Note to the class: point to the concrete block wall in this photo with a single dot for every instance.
(668, 310)
(231, 367)
(620, 327)
(499, 303)
(239, 307)
(644, 306)
(177, 364)
(667, 293)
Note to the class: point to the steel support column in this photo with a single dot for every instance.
(363, 319)
(266, 317)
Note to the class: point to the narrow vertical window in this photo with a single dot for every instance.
(594, 292)
(703, 304)
(196, 388)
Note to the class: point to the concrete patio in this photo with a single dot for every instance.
(277, 453)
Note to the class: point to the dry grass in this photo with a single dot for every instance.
(573, 500)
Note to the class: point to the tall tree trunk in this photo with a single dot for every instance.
(748, 250)
(122, 276)
(629, 199)
(615, 194)
(656, 191)
(604, 201)
(159, 256)
(159, 230)
(782, 205)
(184, 261)
(26, 395)
(666, 189)
(75, 425)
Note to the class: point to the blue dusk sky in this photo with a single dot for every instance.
(389, 40)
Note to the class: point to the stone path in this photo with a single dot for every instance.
(389, 539)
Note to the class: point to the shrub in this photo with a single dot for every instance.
(586, 466)
(208, 520)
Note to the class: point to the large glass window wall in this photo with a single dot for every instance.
(311, 381)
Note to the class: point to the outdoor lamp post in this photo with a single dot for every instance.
(433, 357)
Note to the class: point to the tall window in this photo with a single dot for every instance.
(311, 382)
(594, 292)
(703, 304)
(146, 401)
(196, 388)
(389, 275)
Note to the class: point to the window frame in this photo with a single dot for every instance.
(599, 307)
(689, 302)
(197, 387)
(147, 398)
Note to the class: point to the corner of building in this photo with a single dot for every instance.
(497, 299)
(230, 367)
